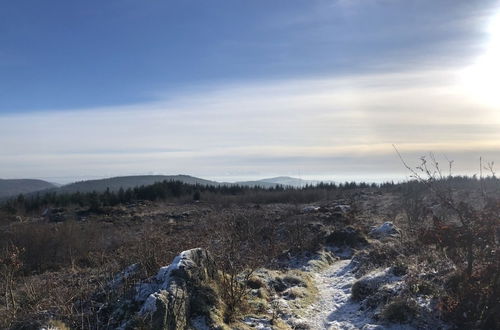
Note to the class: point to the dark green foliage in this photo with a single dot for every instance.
(171, 190)
(197, 195)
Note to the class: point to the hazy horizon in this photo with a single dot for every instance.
(240, 90)
(376, 178)
(231, 179)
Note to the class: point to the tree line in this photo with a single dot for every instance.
(164, 190)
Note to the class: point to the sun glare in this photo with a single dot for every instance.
(482, 79)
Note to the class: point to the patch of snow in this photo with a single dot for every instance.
(149, 306)
(372, 327)
(342, 208)
(387, 229)
(310, 209)
(148, 292)
(258, 323)
(123, 275)
(334, 308)
(381, 276)
(143, 290)
(424, 302)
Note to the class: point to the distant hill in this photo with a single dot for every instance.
(9, 188)
(13, 187)
(125, 182)
(280, 180)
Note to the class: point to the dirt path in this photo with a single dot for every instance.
(334, 308)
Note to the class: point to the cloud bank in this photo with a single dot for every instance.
(329, 128)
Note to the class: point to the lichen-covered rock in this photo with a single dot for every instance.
(171, 298)
(168, 309)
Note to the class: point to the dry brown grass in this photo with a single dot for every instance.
(66, 267)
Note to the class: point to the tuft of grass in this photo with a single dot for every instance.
(57, 325)
(323, 260)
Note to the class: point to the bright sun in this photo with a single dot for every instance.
(482, 79)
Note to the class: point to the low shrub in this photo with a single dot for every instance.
(362, 289)
(400, 310)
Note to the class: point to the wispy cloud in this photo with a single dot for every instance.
(316, 127)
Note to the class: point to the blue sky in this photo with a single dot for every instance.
(75, 54)
(93, 88)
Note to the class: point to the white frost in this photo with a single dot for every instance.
(387, 229)
(258, 323)
(334, 308)
(148, 292)
(123, 275)
(310, 209)
(149, 306)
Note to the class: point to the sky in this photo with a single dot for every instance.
(236, 90)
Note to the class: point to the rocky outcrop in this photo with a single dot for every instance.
(179, 292)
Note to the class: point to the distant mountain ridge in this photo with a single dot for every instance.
(13, 187)
(286, 181)
(9, 188)
(125, 182)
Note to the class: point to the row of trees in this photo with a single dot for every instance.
(165, 190)
(171, 190)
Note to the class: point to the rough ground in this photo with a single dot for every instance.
(334, 308)
(319, 297)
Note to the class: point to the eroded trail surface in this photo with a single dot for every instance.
(335, 309)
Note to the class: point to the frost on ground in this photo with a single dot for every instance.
(258, 323)
(387, 229)
(165, 301)
(334, 308)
